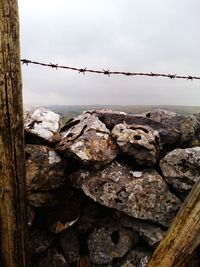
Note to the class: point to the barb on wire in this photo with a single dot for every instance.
(108, 72)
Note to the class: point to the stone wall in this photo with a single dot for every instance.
(104, 188)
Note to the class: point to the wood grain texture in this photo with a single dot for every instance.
(183, 236)
(13, 225)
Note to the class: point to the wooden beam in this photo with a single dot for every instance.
(13, 223)
(183, 235)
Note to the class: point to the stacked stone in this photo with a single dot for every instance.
(103, 189)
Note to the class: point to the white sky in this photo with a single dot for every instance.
(128, 35)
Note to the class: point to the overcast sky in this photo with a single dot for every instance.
(128, 35)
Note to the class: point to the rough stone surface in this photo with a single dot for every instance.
(190, 131)
(87, 139)
(169, 135)
(45, 170)
(140, 194)
(39, 241)
(189, 126)
(181, 167)
(136, 258)
(140, 142)
(149, 232)
(163, 116)
(42, 199)
(43, 124)
(52, 258)
(110, 241)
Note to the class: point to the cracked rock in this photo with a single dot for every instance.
(110, 241)
(42, 125)
(140, 194)
(136, 258)
(169, 135)
(140, 142)
(45, 170)
(181, 167)
(188, 126)
(87, 139)
(149, 232)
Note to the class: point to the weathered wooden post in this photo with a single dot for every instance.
(12, 168)
(183, 235)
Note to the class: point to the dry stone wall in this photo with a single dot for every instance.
(104, 188)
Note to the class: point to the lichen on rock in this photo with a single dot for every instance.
(87, 139)
(42, 123)
(116, 186)
(140, 142)
(181, 167)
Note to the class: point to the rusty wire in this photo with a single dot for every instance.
(108, 72)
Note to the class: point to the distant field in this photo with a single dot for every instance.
(69, 112)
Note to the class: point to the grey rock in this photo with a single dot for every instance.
(149, 232)
(39, 241)
(169, 135)
(70, 245)
(110, 241)
(140, 194)
(42, 125)
(87, 139)
(190, 131)
(181, 167)
(52, 258)
(137, 258)
(140, 142)
(163, 116)
(30, 216)
(189, 126)
(45, 170)
(42, 199)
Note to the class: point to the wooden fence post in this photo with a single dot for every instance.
(13, 222)
(183, 235)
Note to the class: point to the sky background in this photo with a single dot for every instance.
(119, 35)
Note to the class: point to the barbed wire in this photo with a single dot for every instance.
(108, 72)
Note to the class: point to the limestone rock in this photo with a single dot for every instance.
(110, 241)
(42, 124)
(137, 258)
(140, 194)
(190, 131)
(169, 135)
(140, 142)
(45, 170)
(39, 241)
(87, 139)
(189, 126)
(163, 116)
(181, 167)
(149, 232)
(52, 258)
